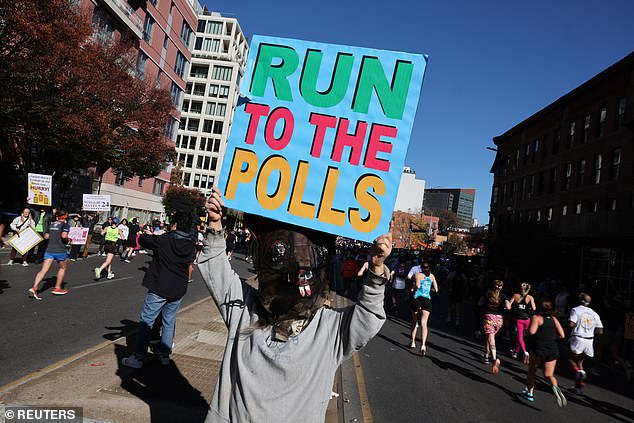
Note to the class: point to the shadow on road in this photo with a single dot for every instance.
(127, 329)
(4, 284)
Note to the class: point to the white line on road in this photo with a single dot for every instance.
(100, 283)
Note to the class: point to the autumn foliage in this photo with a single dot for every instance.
(69, 100)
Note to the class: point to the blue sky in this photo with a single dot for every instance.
(492, 63)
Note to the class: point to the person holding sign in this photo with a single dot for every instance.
(282, 336)
(57, 236)
(21, 222)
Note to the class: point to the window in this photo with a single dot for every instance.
(201, 25)
(198, 44)
(208, 126)
(190, 161)
(211, 108)
(531, 186)
(192, 143)
(527, 152)
(540, 183)
(523, 190)
(140, 65)
(571, 134)
(564, 210)
(217, 127)
(206, 165)
(179, 66)
(214, 163)
(578, 208)
(620, 112)
(566, 185)
(158, 187)
(199, 162)
(196, 107)
(612, 204)
(586, 128)
(602, 118)
(539, 215)
(535, 150)
(556, 139)
(494, 196)
(550, 214)
(154, 2)
(210, 45)
(188, 88)
(214, 28)
(148, 24)
(517, 158)
(165, 41)
(186, 178)
(581, 173)
(594, 206)
(199, 71)
(222, 73)
(615, 170)
(213, 90)
(220, 110)
(199, 89)
(192, 124)
(186, 33)
(175, 94)
(544, 147)
(597, 169)
(210, 145)
(552, 180)
(196, 180)
(119, 179)
(216, 146)
(185, 107)
(170, 127)
(223, 92)
(182, 124)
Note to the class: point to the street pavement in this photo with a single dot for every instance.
(450, 384)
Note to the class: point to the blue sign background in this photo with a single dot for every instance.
(301, 142)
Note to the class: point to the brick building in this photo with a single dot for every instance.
(563, 191)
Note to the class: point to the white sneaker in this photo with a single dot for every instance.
(132, 361)
(97, 273)
(25, 264)
(110, 275)
(10, 263)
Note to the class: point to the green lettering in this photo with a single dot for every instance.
(338, 83)
(391, 97)
(264, 69)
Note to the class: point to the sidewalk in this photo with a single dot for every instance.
(110, 392)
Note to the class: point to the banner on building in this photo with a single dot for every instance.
(78, 235)
(25, 240)
(322, 138)
(93, 202)
(39, 189)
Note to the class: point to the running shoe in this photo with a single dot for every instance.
(496, 366)
(110, 275)
(485, 359)
(97, 273)
(126, 261)
(527, 395)
(132, 361)
(59, 291)
(580, 377)
(412, 345)
(561, 399)
(25, 264)
(513, 354)
(423, 351)
(10, 263)
(33, 294)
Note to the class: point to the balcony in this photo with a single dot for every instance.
(126, 15)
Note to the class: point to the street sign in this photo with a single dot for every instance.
(92, 202)
(322, 139)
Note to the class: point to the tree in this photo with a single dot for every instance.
(447, 219)
(70, 100)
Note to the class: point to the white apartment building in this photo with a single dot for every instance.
(213, 87)
(410, 192)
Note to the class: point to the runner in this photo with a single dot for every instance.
(522, 305)
(110, 237)
(421, 305)
(398, 286)
(494, 302)
(57, 236)
(544, 351)
(585, 323)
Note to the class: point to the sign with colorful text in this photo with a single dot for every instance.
(39, 189)
(78, 235)
(93, 202)
(322, 138)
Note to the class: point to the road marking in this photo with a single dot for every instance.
(363, 394)
(100, 283)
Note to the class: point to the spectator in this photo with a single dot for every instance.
(18, 224)
(90, 222)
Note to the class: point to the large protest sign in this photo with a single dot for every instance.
(25, 240)
(39, 189)
(322, 139)
(93, 202)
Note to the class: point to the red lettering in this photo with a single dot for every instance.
(354, 141)
(375, 144)
(322, 122)
(256, 111)
(287, 132)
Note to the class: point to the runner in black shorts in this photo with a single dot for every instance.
(543, 350)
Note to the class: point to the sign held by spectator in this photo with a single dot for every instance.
(322, 139)
(78, 235)
(25, 240)
(93, 202)
(39, 189)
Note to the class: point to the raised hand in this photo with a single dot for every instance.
(213, 205)
(380, 251)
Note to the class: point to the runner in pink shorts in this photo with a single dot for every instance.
(494, 302)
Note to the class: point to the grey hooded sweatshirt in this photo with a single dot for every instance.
(262, 380)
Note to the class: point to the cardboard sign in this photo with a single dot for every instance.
(39, 189)
(628, 333)
(25, 240)
(322, 139)
(92, 202)
(78, 235)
